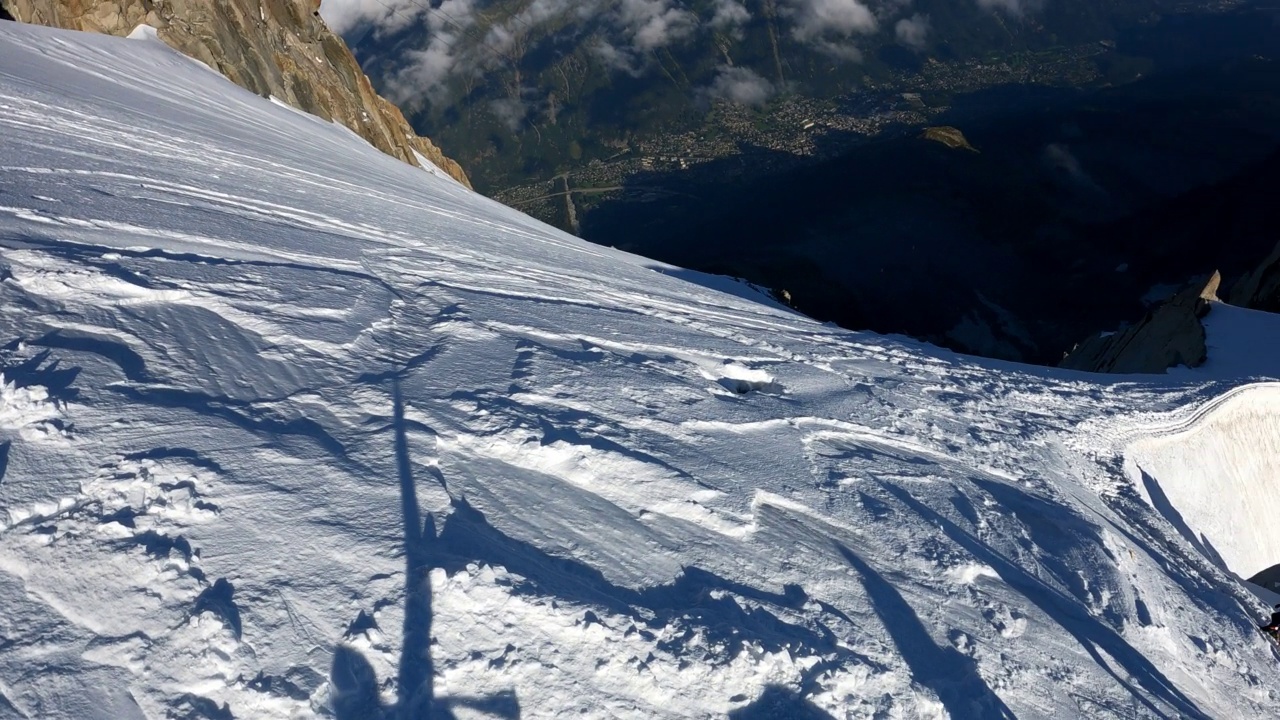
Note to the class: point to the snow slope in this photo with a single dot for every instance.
(1213, 475)
(290, 429)
(1212, 470)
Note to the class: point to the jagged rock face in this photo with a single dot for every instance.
(1169, 336)
(272, 47)
(1260, 289)
(1236, 219)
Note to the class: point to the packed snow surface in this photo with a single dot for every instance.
(291, 429)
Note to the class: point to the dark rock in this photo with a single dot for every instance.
(1168, 336)
(1260, 289)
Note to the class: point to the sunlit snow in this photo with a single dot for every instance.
(607, 491)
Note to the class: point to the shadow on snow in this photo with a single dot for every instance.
(353, 679)
(953, 676)
(724, 612)
(1097, 638)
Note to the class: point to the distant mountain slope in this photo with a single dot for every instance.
(1073, 211)
(290, 428)
(1228, 228)
(526, 89)
(1094, 125)
(277, 47)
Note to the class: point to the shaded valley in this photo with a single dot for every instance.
(1006, 189)
(1059, 220)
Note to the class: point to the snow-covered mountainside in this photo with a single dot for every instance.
(290, 428)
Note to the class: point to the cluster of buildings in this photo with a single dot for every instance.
(738, 142)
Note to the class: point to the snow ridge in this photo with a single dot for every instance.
(291, 429)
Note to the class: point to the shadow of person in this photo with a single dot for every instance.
(353, 680)
(353, 686)
(415, 686)
(950, 674)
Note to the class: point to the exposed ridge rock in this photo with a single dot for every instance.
(1168, 336)
(1233, 220)
(1260, 289)
(272, 47)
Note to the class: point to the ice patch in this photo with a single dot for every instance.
(19, 406)
(30, 413)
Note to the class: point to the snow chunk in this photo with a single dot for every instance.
(970, 572)
(144, 32)
(741, 380)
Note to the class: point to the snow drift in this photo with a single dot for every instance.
(292, 429)
(1213, 469)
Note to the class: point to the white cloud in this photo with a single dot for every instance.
(638, 28)
(617, 58)
(655, 23)
(428, 68)
(1013, 8)
(740, 85)
(1058, 157)
(913, 31)
(846, 51)
(817, 19)
(461, 42)
(729, 15)
(342, 16)
(886, 9)
(511, 112)
(540, 11)
(829, 26)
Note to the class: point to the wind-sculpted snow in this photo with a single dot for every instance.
(292, 429)
(1215, 475)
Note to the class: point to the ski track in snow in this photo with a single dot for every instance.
(646, 498)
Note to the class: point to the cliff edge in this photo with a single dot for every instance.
(272, 47)
(1168, 336)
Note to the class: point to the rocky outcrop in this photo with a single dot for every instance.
(273, 47)
(949, 136)
(1228, 224)
(1169, 336)
(1260, 289)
